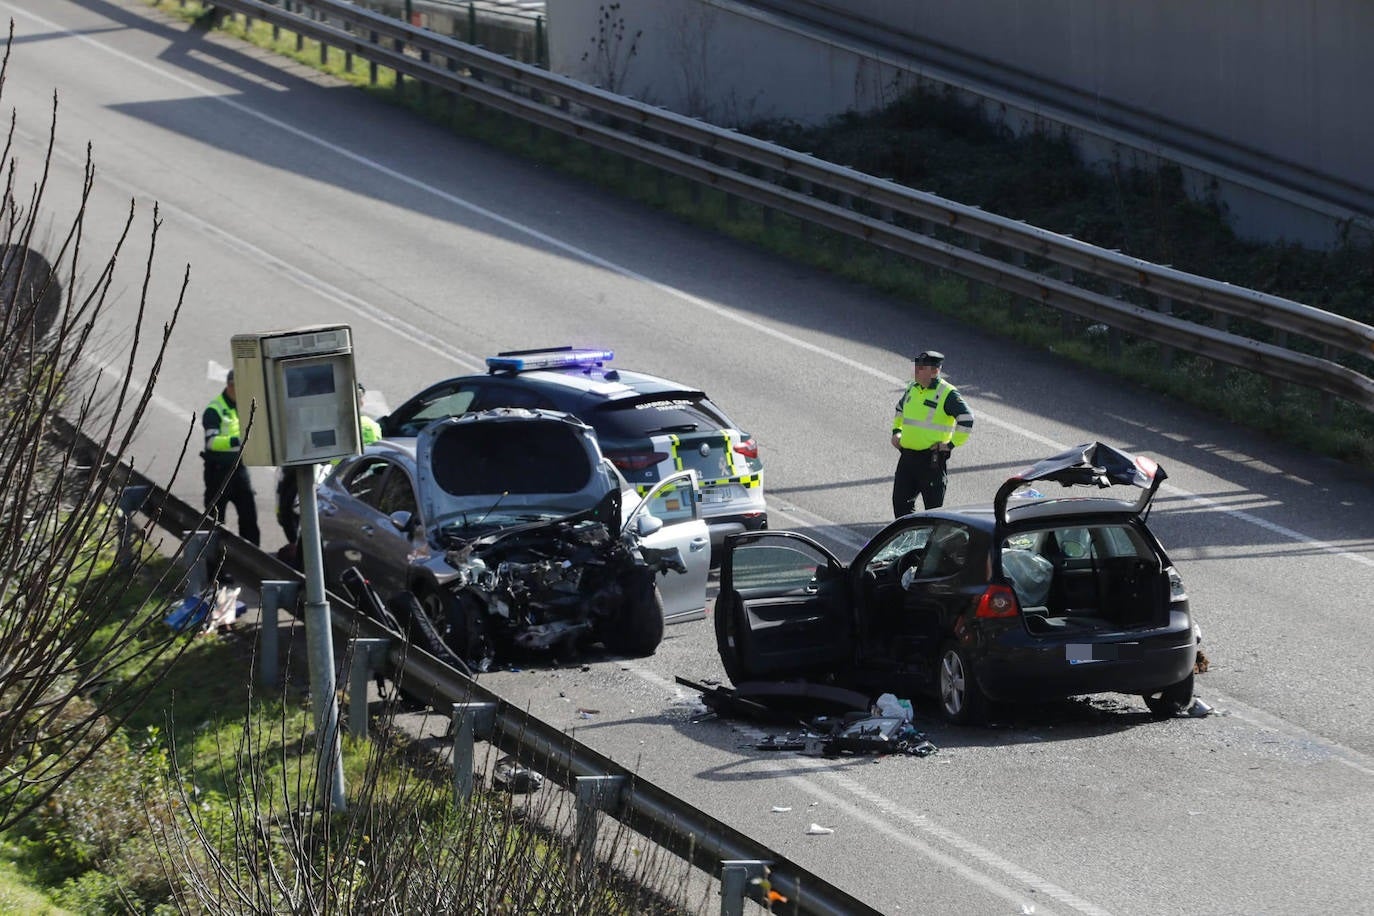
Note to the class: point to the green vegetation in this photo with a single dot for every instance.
(203, 801)
(936, 143)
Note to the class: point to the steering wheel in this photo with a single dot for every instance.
(909, 559)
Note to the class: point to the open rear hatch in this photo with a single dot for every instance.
(1080, 559)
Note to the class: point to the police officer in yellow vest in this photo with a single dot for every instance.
(931, 420)
(226, 478)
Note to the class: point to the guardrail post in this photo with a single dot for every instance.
(975, 287)
(1018, 304)
(372, 64)
(200, 546)
(1066, 318)
(735, 877)
(541, 44)
(472, 22)
(472, 722)
(276, 594)
(1222, 322)
(131, 499)
(1165, 306)
(1113, 332)
(593, 793)
(368, 654)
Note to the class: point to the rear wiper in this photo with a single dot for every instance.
(679, 428)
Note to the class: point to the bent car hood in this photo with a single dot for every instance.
(1085, 468)
(508, 466)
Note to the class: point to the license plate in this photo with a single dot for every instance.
(712, 495)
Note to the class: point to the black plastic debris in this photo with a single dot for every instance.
(778, 700)
(514, 778)
(878, 735)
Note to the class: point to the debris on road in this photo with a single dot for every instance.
(852, 726)
(818, 830)
(514, 778)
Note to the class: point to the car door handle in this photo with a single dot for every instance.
(699, 544)
(367, 529)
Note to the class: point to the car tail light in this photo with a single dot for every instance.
(636, 461)
(1176, 590)
(997, 601)
(748, 448)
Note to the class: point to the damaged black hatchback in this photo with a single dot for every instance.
(1040, 595)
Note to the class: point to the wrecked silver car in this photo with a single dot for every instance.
(510, 532)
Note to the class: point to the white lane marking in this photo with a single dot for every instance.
(1359, 762)
(924, 825)
(912, 819)
(408, 332)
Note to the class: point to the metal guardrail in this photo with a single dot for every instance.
(601, 785)
(952, 236)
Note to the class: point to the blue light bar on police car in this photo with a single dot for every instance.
(525, 360)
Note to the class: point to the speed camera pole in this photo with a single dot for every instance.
(320, 646)
(304, 381)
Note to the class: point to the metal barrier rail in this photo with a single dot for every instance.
(599, 783)
(865, 207)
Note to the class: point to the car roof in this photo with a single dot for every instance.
(599, 381)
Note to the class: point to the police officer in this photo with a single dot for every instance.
(288, 497)
(931, 420)
(226, 478)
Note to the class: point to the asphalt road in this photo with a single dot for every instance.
(298, 202)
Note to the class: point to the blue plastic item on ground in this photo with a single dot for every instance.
(190, 613)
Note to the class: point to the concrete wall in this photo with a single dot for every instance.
(1293, 79)
(1286, 82)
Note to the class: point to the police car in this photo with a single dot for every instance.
(649, 427)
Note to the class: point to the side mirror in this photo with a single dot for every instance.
(646, 525)
(402, 521)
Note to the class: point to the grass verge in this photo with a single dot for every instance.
(206, 801)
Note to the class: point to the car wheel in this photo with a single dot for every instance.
(638, 629)
(1167, 702)
(424, 617)
(962, 701)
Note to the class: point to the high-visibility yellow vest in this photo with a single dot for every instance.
(221, 440)
(371, 430)
(921, 418)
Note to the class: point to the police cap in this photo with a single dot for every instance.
(229, 377)
(928, 358)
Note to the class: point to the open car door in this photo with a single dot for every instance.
(676, 502)
(783, 610)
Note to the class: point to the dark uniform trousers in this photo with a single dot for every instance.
(288, 512)
(919, 473)
(238, 491)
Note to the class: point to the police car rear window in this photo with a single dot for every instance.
(636, 417)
